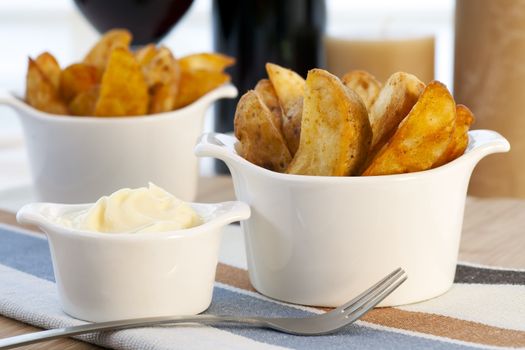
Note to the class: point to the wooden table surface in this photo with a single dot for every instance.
(493, 234)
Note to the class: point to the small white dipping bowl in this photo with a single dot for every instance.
(79, 159)
(111, 276)
(320, 240)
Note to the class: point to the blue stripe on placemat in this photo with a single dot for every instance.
(26, 253)
(31, 255)
(352, 337)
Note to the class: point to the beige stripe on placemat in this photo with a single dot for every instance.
(436, 325)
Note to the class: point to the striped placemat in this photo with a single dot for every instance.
(484, 309)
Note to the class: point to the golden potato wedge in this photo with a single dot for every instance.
(50, 67)
(40, 92)
(260, 141)
(162, 98)
(99, 55)
(215, 62)
(292, 125)
(162, 74)
(459, 140)
(422, 137)
(289, 86)
(397, 97)
(123, 90)
(145, 54)
(364, 84)
(77, 78)
(335, 131)
(267, 93)
(161, 67)
(83, 104)
(196, 83)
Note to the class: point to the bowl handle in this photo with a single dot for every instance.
(228, 212)
(31, 214)
(7, 98)
(220, 146)
(224, 91)
(483, 143)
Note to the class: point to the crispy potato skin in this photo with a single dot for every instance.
(292, 125)
(145, 54)
(335, 131)
(459, 140)
(289, 88)
(78, 78)
(364, 84)
(267, 93)
(99, 54)
(421, 138)
(260, 141)
(199, 74)
(123, 90)
(84, 103)
(41, 93)
(196, 83)
(214, 62)
(395, 100)
(49, 67)
(162, 74)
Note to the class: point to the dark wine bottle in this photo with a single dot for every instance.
(285, 32)
(147, 20)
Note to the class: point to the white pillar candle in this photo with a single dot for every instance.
(382, 56)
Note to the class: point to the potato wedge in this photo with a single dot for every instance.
(364, 84)
(395, 100)
(267, 93)
(335, 131)
(422, 137)
(289, 86)
(40, 92)
(459, 140)
(145, 54)
(123, 90)
(195, 84)
(260, 141)
(50, 67)
(78, 78)
(83, 104)
(215, 62)
(397, 97)
(162, 74)
(99, 55)
(292, 125)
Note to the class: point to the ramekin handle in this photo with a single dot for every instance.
(7, 98)
(224, 91)
(220, 146)
(228, 212)
(485, 142)
(31, 214)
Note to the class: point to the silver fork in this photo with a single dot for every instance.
(315, 325)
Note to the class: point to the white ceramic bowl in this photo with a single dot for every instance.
(319, 240)
(79, 159)
(104, 276)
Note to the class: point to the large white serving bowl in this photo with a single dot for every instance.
(112, 276)
(78, 159)
(319, 240)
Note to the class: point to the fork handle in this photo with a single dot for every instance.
(30, 338)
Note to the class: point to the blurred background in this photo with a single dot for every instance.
(378, 35)
(29, 27)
